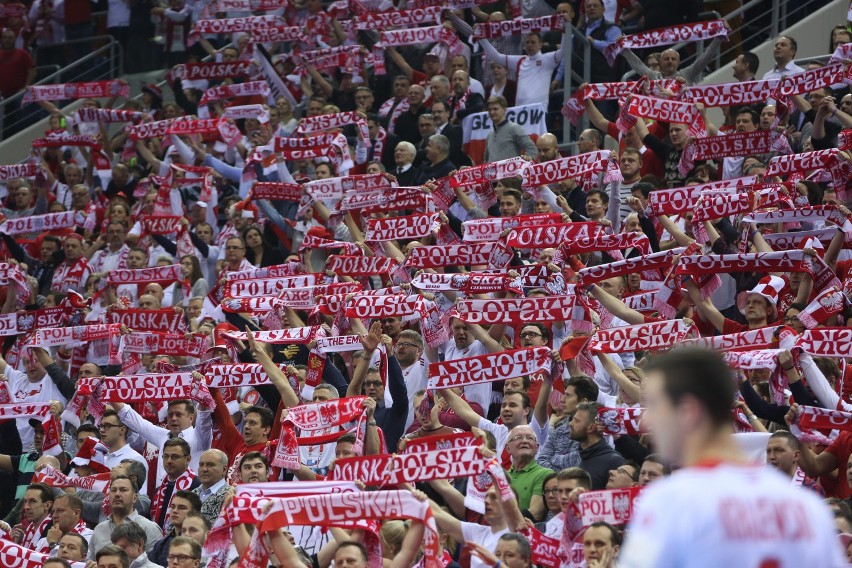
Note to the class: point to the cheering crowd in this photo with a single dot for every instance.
(344, 299)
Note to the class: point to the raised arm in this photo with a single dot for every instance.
(461, 408)
(708, 311)
(615, 306)
(630, 389)
(275, 374)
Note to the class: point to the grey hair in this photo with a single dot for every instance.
(441, 142)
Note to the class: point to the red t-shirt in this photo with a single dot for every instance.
(651, 163)
(840, 449)
(15, 66)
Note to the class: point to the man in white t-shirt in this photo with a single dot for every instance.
(470, 340)
(745, 515)
(409, 354)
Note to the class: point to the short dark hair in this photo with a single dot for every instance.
(585, 387)
(614, 533)
(113, 550)
(793, 43)
(792, 440)
(590, 408)
(524, 549)
(543, 329)
(204, 520)
(581, 475)
(515, 194)
(74, 502)
(267, 419)
(700, 373)
(131, 531)
(57, 561)
(254, 456)
(188, 406)
(644, 187)
(132, 482)
(87, 427)
(498, 100)
(603, 195)
(84, 544)
(657, 458)
(44, 490)
(525, 399)
(192, 543)
(193, 498)
(755, 116)
(135, 470)
(752, 60)
(179, 443)
(363, 549)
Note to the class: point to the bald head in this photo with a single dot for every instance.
(548, 147)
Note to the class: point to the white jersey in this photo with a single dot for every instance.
(730, 515)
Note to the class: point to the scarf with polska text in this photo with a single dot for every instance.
(156, 129)
(730, 94)
(42, 223)
(810, 80)
(661, 110)
(802, 162)
(241, 112)
(349, 265)
(720, 205)
(835, 342)
(91, 90)
(174, 344)
(411, 467)
(524, 26)
(770, 337)
(491, 228)
(492, 254)
(231, 375)
(552, 235)
(274, 271)
(245, 24)
(388, 199)
(40, 411)
(305, 298)
(733, 145)
(300, 335)
(351, 511)
(182, 483)
(517, 310)
(680, 200)
(164, 319)
(650, 265)
(554, 171)
(815, 418)
(148, 387)
(15, 171)
(396, 18)
(261, 287)
(366, 306)
(666, 36)
(641, 337)
(574, 107)
(489, 172)
(229, 133)
(211, 70)
(405, 227)
(163, 275)
(610, 243)
(106, 115)
(489, 367)
(168, 225)
(318, 417)
(441, 442)
(470, 283)
(80, 335)
(335, 121)
(613, 506)
(247, 89)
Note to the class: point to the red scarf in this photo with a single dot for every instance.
(182, 483)
(70, 276)
(33, 532)
(667, 36)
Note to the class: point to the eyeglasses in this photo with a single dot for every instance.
(107, 426)
(180, 558)
(530, 334)
(234, 248)
(372, 383)
(527, 437)
(407, 344)
(553, 491)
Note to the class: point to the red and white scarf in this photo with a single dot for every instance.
(404, 227)
(360, 265)
(811, 80)
(210, 70)
(518, 27)
(15, 171)
(613, 506)
(626, 421)
(336, 188)
(385, 110)
(574, 107)
(396, 18)
(680, 200)
(828, 303)
(650, 265)
(733, 145)
(494, 255)
(163, 275)
(815, 418)
(276, 190)
(552, 235)
(335, 121)
(231, 26)
(835, 342)
(373, 306)
(106, 115)
(489, 367)
(471, 283)
(554, 171)
(150, 388)
(642, 337)
(730, 94)
(490, 228)
(165, 319)
(247, 89)
(92, 90)
(318, 417)
(661, 110)
(517, 310)
(267, 286)
(175, 344)
(40, 411)
(98, 483)
(410, 467)
(182, 483)
(667, 36)
(156, 129)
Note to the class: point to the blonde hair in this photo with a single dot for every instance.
(392, 533)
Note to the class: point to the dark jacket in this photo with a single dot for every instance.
(392, 420)
(597, 460)
(475, 103)
(439, 170)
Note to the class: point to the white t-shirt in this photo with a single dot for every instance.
(730, 515)
(480, 394)
(22, 390)
(483, 536)
(534, 72)
(416, 378)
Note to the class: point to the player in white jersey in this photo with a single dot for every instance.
(719, 510)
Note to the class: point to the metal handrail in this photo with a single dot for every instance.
(112, 49)
(571, 33)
